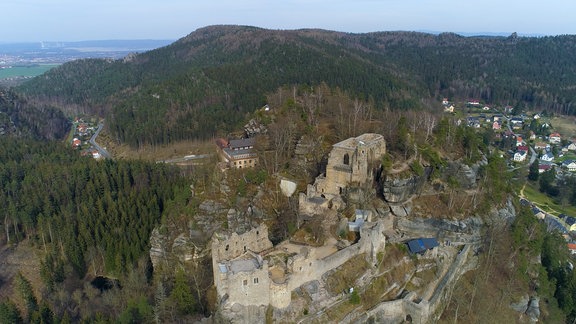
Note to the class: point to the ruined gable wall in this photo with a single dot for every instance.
(223, 249)
(255, 240)
(350, 161)
(247, 288)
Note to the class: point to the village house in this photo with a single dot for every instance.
(76, 142)
(570, 165)
(237, 153)
(570, 223)
(473, 122)
(516, 122)
(571, 146)
(572, 248)
(496, 125)
(541, 146)
(538, 213)
(520, 156)
(547, 157)
(543, 167)
(555, 138)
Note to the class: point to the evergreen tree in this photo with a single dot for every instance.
(9, 313)
(534, 171)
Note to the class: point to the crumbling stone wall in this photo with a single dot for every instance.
(255, 240)
(255, 287)
(249, 287)
(351, 161)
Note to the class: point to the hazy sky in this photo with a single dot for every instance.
(70, 20)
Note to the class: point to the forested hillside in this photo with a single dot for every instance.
(85, 217)
(20, 119)
(207, 81)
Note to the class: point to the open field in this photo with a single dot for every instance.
(546, 203)
(25, 71)
(565, 125)
(156, 153)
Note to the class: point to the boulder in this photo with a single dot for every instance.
(399, 211)
(288, 187)
(533, 310)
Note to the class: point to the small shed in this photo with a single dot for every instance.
(421, 245)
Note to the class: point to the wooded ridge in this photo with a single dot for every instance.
(207, 81)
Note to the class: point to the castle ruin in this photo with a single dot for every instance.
(250, 272)
(351, 162)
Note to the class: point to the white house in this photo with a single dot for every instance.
(572, 146)
(520, 156)
(548, 157)
(570, 165)
(555, 138)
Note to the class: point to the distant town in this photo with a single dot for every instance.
(20, 61)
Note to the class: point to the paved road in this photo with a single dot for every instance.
(105, 154)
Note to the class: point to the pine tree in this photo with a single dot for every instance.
(534, 171)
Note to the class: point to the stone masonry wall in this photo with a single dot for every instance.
(350, 160)
(255, 240)
(251, 288)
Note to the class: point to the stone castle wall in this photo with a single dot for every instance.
(248, 286)
(255, 240)
(251, 288)
(255, 287)
(350, 162)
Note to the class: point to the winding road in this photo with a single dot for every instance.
(105, 154)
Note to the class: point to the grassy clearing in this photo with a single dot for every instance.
(565, 125)
(546, 203)
(156, 153)
(346, 275)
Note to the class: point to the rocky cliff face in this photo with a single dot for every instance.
(398, 188)
(465, 175)
(461, 232)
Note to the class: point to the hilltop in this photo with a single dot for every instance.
(205, 83)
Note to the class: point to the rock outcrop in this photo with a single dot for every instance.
(462, 232)
(398, 189)
(529, 306)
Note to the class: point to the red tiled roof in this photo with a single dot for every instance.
(221, 142)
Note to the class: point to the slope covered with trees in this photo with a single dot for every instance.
(21, 119)
(86, 218)
(207, 81)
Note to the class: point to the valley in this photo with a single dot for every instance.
(309, 176)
